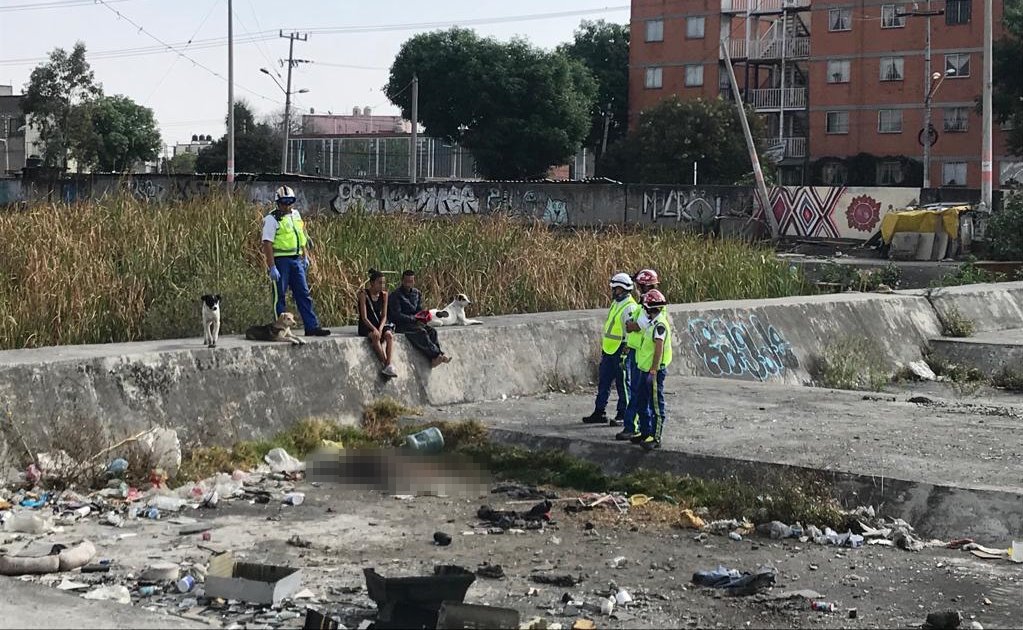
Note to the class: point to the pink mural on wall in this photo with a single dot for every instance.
(838, 212)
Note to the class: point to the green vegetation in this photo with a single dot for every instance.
(954, 324)
(1005, 229)
(969, 273)
(1009, 378)
(852, 364)
(848, 277)
(122, 270)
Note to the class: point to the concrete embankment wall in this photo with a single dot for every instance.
(244, 389)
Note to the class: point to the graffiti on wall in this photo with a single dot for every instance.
(530, 203)
(690, 206)
(741, 347)
(10, 191)
(835, 212)
(144, 189)
(431, 199)
(352, 195)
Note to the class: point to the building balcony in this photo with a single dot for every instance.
(777, 98)
(762, 6)
(792, 147)
(768, 49)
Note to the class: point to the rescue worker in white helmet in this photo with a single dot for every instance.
(612, 355)
(645, 279)
(286, 252)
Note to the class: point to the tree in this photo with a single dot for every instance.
(181, 164)
(603, 48)
(117, 133)
(54, 93)
(675, 133)
(519, 110)
(1007, 98)
(257, 148)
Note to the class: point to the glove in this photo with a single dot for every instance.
(275, 275)
(306, 262)
(650, 377)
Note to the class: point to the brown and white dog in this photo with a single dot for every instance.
(453, 314)
(280, 330)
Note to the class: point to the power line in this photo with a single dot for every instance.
(172, 48)
(345, 65)
(56, 4)
(261, 36)
(187, 44)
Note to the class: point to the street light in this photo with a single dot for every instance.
(928, 134)
(287, 112)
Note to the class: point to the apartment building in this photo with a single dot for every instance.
(841, 84)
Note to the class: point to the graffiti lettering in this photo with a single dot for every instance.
(145, 189)
(350, 196)
(691, 206)
(744, 347)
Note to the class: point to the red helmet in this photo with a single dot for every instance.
(654, 299)
(647, 277)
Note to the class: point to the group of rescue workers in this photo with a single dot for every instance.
(635, 354)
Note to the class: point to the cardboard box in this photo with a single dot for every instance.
(250, 582)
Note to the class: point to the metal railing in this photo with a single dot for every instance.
(761, 6)
(773, 98)
(795, 48)
(794, 147)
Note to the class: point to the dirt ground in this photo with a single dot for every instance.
(350, 530)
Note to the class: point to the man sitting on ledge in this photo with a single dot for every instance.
(403, 305)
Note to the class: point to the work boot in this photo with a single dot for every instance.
(637, 438)
(650, 443)
(626, 435)
(317, 332)
(597, 417)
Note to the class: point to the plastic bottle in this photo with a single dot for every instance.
(165, 503)
(426, 441)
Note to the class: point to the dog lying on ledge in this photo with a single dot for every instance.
(453, 314)
(280, 330)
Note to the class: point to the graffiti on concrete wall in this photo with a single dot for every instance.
(689, 206)
(144, 189)
(531, 203)
(10, 191)
(432, 199)
(835, 212)
(741, 347)
(351, 195)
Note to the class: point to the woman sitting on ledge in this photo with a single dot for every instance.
(373, 322)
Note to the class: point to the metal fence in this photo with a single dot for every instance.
(378, 157)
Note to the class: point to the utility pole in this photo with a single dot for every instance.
(414, 138)
(607, 123)
(292, 62)
(230, 94)
(758, 174)
(986, 159)
(929, 86)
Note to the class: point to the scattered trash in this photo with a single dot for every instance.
(584, 624)
(298, 541)
(27, 523)
(455, 615)
(688, 520)
(617, 562)
(490, 571)
(1016, 554)
(117, 467)
(250, 582)
(429, 440)
(414, 602)
(164, 503)
(68, 585)
(280, 461)
(622, 597)
(607, 606)
(294, 498)
(163, 450)
(638, 500)
(185, 584)
(822, 606)
(946, 620)
(734, 583)
(115, 593)
(507, 519)
(922, 371)
(161, 572)
(556, 579)
(736, 536)
(441, 539)
(852, 613)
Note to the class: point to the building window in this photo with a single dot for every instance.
(694, 76)
(953, 174)
(890, 17)
(957, 119)
(957, 65)
(837, 122)
(889, 121)
(834, 174)
(695, 27)
(654, 76)
(957, 12)
(889, 173)
(655, 30)
(838, 71)
(840, 20)
(891, 68)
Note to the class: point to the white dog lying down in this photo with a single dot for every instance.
(453, 314)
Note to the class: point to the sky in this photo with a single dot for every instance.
(348, 67)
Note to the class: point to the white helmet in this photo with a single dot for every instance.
(622, 280)
(286, 195)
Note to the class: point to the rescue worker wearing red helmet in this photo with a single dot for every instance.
(653, 358)
(645, 280)
(612, 368)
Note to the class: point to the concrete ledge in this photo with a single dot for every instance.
(245, 389)
(988, 352)
(991, 307)
(934, 510)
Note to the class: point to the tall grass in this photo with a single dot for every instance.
(120, 270)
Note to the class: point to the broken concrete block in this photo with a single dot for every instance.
(924, 246)
(904, 245)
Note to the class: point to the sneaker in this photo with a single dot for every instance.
(317, 332)
(389, 371)
(617, 422)
(637, 438)
(626, 435)
(650, 443)
(595, 418)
